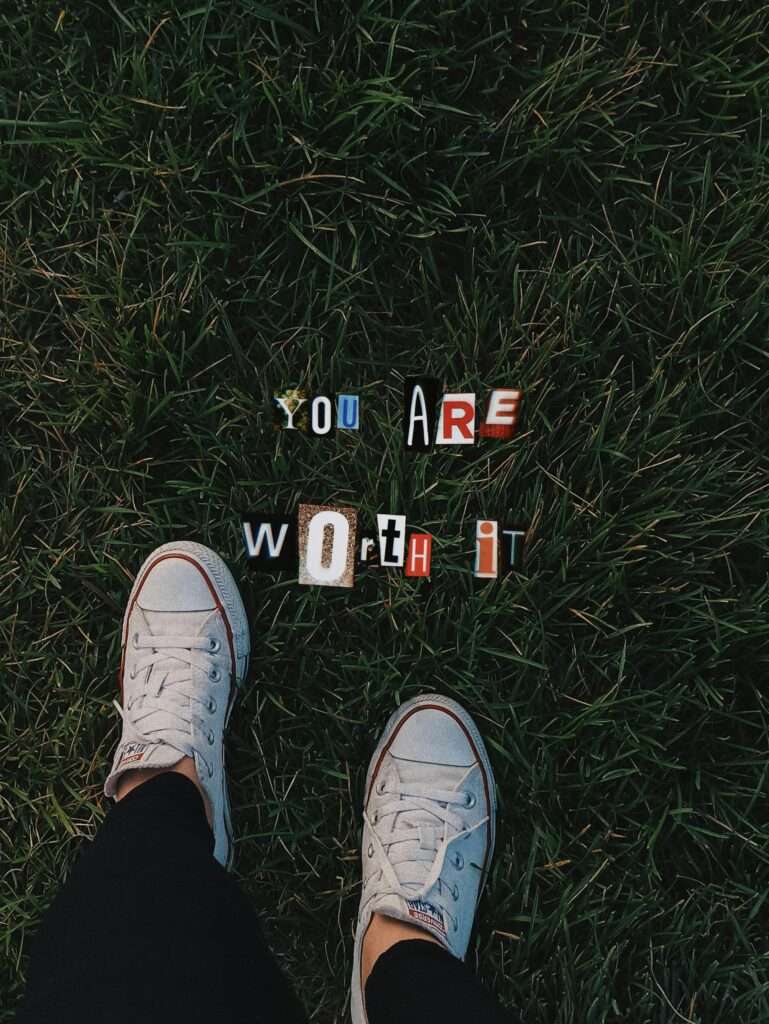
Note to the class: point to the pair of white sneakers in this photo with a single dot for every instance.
(429, 806)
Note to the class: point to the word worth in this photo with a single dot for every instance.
(322, 542)
(428, 416)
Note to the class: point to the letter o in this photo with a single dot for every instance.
(325, 403)
(340, 536)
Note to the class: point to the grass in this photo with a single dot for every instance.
(201, 203)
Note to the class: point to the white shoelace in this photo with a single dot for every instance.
(416, 867)
(165, 693)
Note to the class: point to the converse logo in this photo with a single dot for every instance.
(132, 752)
(427, 914)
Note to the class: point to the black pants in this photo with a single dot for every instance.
(150, 928)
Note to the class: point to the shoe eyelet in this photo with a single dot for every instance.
(370, 850)
(211, 705)
(455, 892)
(456, 925)
(213, 645)
(210, 771)
(459, 862)
(215, 675)
(210, 737)
(132, 674)
(380, 787)
(135, 640)
(375, 819)
(470, 800)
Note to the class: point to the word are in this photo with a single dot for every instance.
(429, 417)
(321, 542)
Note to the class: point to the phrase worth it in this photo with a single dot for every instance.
(322, 543)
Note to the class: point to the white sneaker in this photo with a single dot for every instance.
(185, 653)
(429, 817)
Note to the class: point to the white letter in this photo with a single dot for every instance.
(274, 547)
(503, 406)
(515, 534)
(340, 535)
(326, 415)
(282, 403)
(421, 418)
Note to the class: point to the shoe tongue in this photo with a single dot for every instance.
(422, 913)
(445, 777)
(413, 867)
(158, 624)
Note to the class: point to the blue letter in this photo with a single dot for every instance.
(347, 412)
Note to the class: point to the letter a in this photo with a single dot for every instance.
(420, 401)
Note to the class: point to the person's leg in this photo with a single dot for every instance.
(428, 838)
(413, 974)
(150, 926)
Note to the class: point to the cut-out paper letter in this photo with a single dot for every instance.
(270, 541)
(326, 536)
(322, 416)
(456, 423)
(392, 539)
(419, 555)
(486, 549)
(369, 551)
(289, 414)
(513, 540)
(347, 412)
(502, 413)
(420, 403)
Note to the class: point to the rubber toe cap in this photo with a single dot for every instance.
(175, 584)
(434, 735)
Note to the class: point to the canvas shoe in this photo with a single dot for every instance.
(429, 816)
(185, 647)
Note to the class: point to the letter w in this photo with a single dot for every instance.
(254, 546)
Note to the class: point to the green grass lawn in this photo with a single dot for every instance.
(204, 202)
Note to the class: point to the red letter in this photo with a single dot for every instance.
(456, 424)
(486, 534)
(420, 550)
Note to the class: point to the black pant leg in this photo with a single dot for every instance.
(416, 980)
(149, 927)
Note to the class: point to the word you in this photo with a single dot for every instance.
(321, 541)
(429, 417)
(323, 413)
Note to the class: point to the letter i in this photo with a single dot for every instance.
(486, 553)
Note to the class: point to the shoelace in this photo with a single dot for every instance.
(165, 693)
(417, 805)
